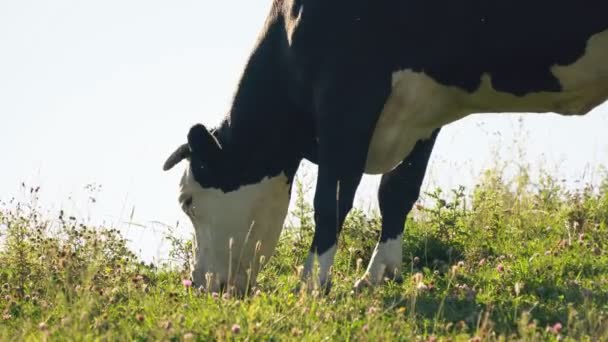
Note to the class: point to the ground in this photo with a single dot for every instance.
(511, 259)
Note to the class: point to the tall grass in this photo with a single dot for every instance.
(514, 258)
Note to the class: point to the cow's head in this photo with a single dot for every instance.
(237, 222)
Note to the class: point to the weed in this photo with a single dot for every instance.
(513, 259)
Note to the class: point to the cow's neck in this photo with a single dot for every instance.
(263, 129)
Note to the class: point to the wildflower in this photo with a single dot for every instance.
(421, 287)
(215, 295)
(416, 260)
(167, 325)
(188, 337)
(432, 339)
(296, 332)
(518, 287)
(500, 268)
(187, 283)
(418, 277)
(482, 262)
(236, 329)
(461, 263)
(43, 326)
(365, 328)
(6, 317)
(557, 327)
(137, 278)
(66, 321)
(139, 317)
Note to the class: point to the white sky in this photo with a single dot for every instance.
(102, 92)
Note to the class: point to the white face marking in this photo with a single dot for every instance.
(251, 215)
(386, 260)
(325, 260)
(417, 104)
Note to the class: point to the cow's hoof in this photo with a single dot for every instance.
(326, 288)
(363, 283)
(393, 276)
(311, 287)
(398, 279)
(367, 281)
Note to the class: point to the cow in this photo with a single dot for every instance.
(364, 87)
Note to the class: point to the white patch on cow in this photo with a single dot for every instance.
(325, 261)
(413, 109)
(587, 79)
(386, 260)
(251, 216)
(417, 104)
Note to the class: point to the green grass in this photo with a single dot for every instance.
(512, 260)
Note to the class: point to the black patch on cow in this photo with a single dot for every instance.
(515, 42)
(264, 133)
(455, 42)
(271, 124)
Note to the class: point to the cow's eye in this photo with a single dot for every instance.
(185, 201)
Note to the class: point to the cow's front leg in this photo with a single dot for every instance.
(398, 191)
(333, 200)
(345, 124)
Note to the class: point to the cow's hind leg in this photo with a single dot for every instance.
(346, 119)
(399, 190)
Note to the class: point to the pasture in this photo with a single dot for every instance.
(515, 258)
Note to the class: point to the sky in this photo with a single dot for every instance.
(100, 93)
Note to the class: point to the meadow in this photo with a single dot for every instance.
(514, 258)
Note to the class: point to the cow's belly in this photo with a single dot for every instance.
(418, 104)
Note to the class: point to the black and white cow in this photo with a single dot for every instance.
(362, 86)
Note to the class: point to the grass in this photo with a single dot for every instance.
(514, 259)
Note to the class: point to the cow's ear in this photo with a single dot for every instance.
(204, 145)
